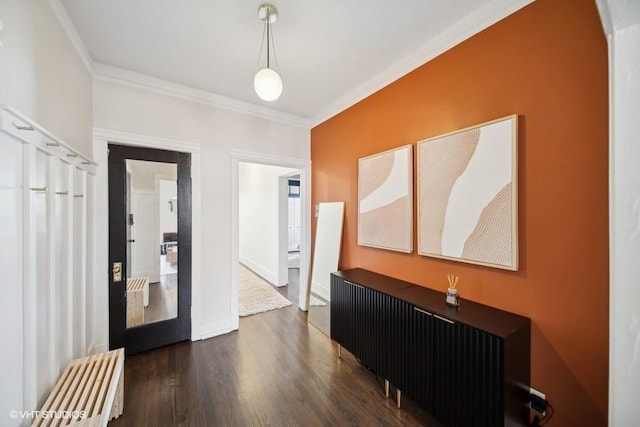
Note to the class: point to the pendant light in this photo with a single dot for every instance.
(267, 83)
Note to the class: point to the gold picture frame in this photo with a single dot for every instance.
(385, 200)
(468, 195)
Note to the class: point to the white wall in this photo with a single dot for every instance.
(41, 73)
(624, 371)
(258, 219)
(128, 109)
(43, 77)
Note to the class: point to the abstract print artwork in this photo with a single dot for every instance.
(385, 200)
(467, 195)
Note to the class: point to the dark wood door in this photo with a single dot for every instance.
(149, 247)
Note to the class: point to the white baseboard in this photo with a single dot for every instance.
(220, 327)
(261, 271)
(210, 330)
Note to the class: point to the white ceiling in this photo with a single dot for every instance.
(330, 53)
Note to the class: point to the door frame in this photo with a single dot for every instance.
(99, 295)
(168, 331)
(304, 166)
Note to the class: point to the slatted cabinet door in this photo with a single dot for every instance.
(360, 323)
(349, 316)
(468, 369)
(411, 352)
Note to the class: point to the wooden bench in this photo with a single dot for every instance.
(137, 300)
(90, 392)
(172, 254)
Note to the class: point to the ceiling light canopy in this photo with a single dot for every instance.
(267, 83)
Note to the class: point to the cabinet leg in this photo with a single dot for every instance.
(386, 388)
(339, 351)
(398, 395)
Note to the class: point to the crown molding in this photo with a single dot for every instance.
(63, 18)
(471, 25)
(140, 81)
(463, 30)
(111, 74)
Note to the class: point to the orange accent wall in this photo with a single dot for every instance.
(548, 64)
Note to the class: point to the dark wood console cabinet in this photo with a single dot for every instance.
(467, 366)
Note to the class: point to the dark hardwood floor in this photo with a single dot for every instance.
(163, 299)
(277, 370)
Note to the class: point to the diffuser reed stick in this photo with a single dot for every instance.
(452, 293)
(453, 280)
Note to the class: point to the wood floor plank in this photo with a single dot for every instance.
(277, 370)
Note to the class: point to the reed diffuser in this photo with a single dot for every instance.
(453, 299)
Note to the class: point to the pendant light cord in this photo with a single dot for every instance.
(267, 30)
(268, 21)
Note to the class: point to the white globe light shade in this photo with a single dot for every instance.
(268, 84)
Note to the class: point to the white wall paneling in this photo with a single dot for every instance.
(11, 259)
(80, 264)
(43, 213)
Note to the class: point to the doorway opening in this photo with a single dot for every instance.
(278, 273)
(269, 228)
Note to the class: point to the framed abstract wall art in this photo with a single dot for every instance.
(467, 195)
(385, 200)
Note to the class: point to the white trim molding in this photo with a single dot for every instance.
(102, 137)
(124, 77)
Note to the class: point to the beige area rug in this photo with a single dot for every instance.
(256, 295)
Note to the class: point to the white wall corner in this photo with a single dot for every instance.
(605, 16)
(624, 227)
(63, 18)
(99, 336)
